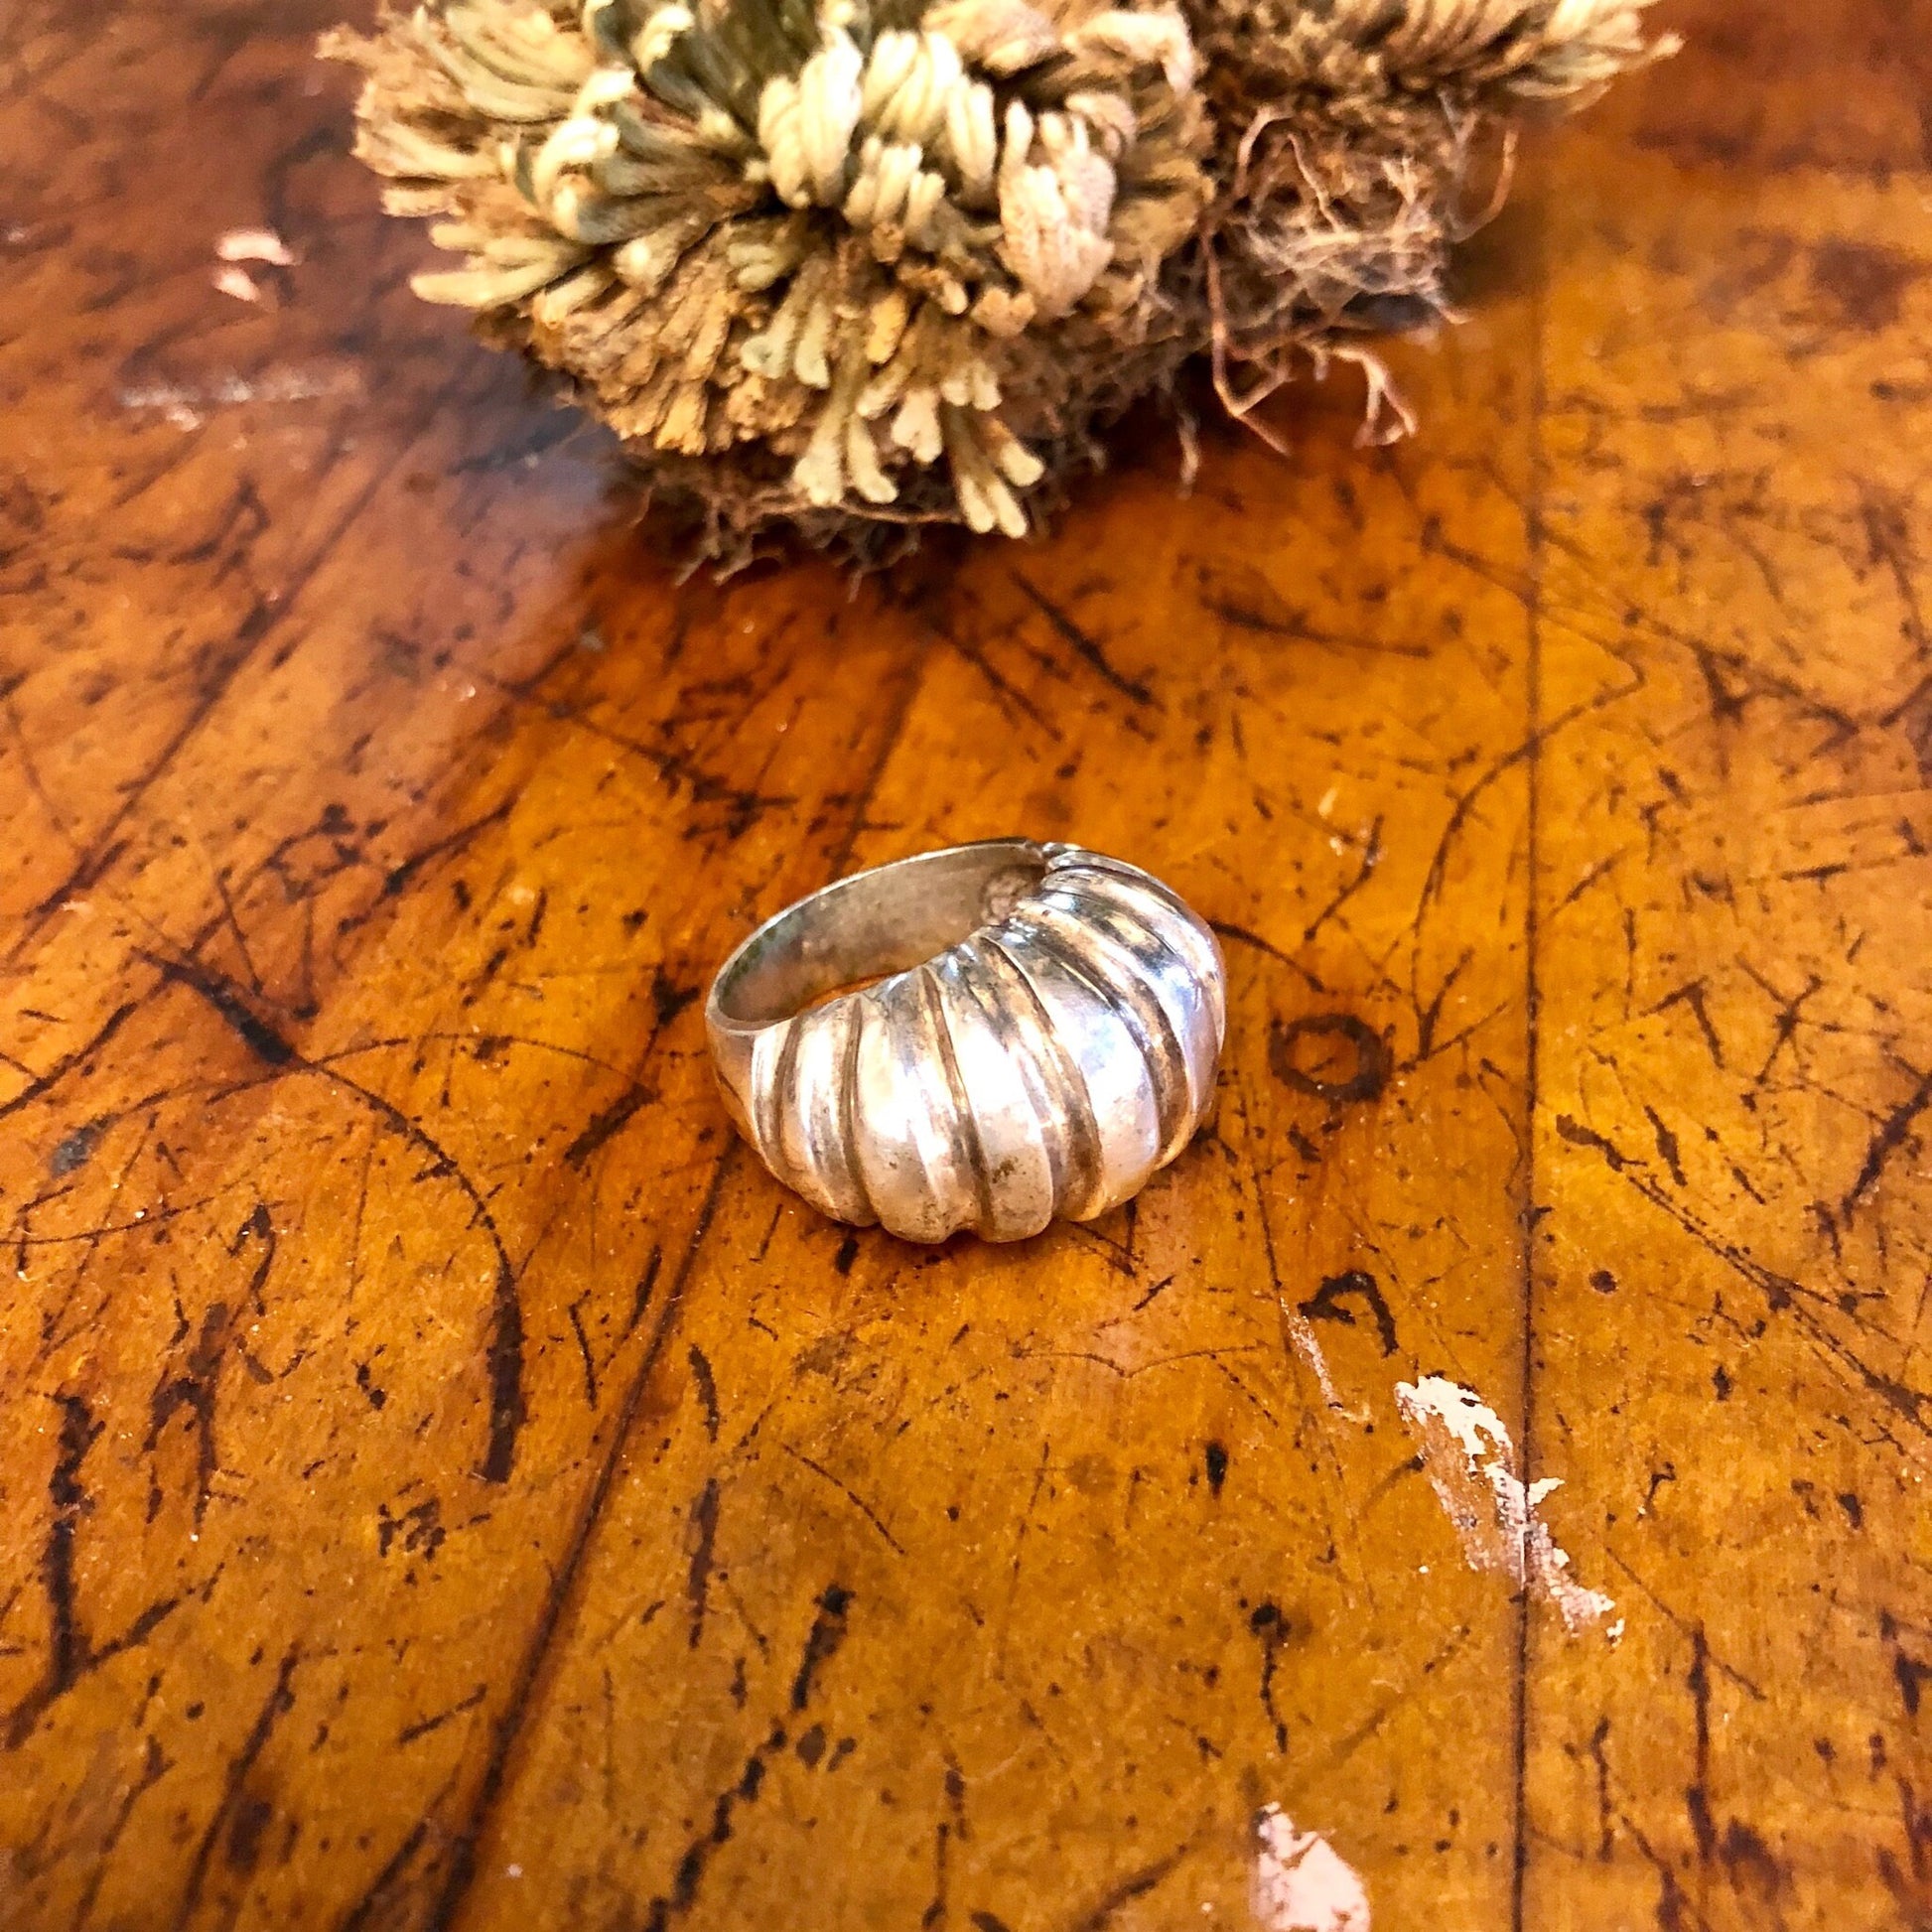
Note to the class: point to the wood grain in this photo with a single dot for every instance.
(444, 1482)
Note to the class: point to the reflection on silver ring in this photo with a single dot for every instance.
(981, 1037)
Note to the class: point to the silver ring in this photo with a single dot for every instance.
(981, 1037)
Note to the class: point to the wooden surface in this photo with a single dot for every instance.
(443, 1482)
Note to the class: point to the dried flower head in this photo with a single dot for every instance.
(833, 259)
(828, 260)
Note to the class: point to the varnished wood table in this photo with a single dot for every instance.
(444, 1482)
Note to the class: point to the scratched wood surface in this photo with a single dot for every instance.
(443, 1482)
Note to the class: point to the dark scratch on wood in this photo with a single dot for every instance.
(406, 870)
(1371, 858)
(279, 1702)
(504, 1349)
(1692, 996)
(707, 1387)
(424, 1726)
(1086, 648)
(1326, 1304)
(71, 1653)
(62, 1067)
(1136, 1885)
(851, 1495)
(66, 1643)
(821, 1645)
(460, 1873)
(1884, 1144)
(584, 1352)
(1537, 734)
(212, 688)
(701, 1535)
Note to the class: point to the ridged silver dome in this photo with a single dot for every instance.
(1044, 1064)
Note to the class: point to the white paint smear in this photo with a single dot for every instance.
(238, 283)
(1470, 1463)
(254, 245)
(186, 405)
(1301, 1336)
(1301, 1884)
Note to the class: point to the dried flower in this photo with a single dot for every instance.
(820, 257)
(819, 262)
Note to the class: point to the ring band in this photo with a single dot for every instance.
(981, 1037)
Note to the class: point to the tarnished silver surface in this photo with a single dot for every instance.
(1043, 1036)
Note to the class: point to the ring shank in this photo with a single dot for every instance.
(886, 920)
